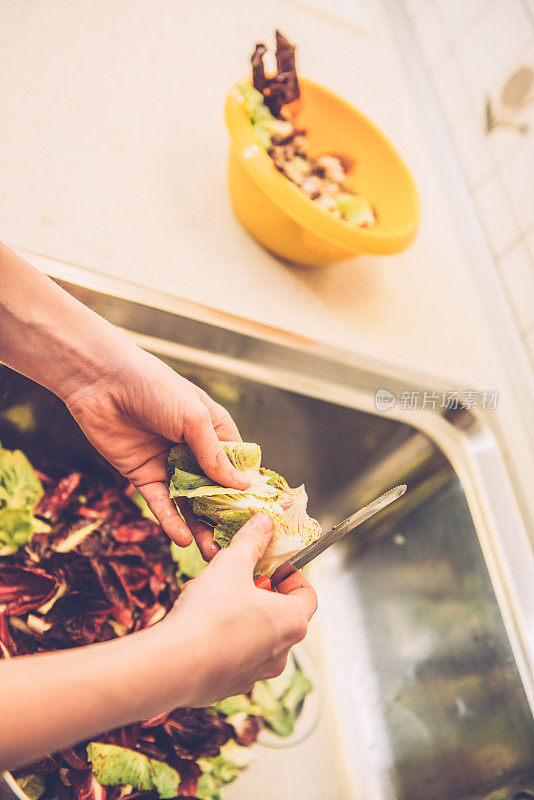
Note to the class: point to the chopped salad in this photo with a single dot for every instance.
(323, 178)
(83, 560)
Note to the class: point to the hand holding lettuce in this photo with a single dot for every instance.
(227, 510)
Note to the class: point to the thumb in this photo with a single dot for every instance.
(251, 541)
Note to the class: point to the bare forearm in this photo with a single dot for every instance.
(48, 335)
(51, 700)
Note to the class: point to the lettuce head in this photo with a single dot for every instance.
(227, 509)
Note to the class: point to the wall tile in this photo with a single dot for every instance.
(430, 32)
(473, 150)
(452, 92)
(518, 174)
(529, 344)
(457, 14)
(414, 6)
(498, 219)
(495, 38)
(517, 273)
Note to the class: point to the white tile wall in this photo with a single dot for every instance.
(471, 48)
(517, 272)
(496, 213)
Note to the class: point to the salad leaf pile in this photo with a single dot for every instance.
(98, 566)
(227, 510)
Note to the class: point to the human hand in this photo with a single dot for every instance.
(238, 633)
(133, 411)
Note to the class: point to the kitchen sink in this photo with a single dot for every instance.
(422, 650)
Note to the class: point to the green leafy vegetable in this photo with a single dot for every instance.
(20, 491)
(274, 713)
(221, 769)
(188, 559)
(166, 780)
(120, 766)
(236, 705)
(33, 786)
(355, 208)
(264, 123)
(281, 699)
(227, 509)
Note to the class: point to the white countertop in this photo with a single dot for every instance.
(113, 157)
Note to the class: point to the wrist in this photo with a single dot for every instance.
(167, 667)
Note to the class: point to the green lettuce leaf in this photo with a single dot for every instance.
(33, 786)
(166, 780)
(281, 699)
(227, 509)
(20, 491)
(188, 559)
(221, 769)
(120, 766)
(265, 124)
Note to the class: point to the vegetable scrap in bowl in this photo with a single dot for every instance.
(83, 560)
(323, 178)
(226, 510)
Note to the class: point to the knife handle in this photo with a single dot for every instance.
(263, 582)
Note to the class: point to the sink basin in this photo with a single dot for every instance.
(422, 651)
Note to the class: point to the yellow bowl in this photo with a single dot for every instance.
(283, 219)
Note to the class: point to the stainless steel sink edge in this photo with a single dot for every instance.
(349, 379)
(273, 358)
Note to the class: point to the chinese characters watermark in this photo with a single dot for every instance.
(470, 399)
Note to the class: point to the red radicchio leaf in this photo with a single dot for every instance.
(111, 582)
(258, 71)
(135, 578)
(51, 505)
(74, 761)
(137, 531)
(247, 733)
(196, 733)
(189, 772)
(79, 618)
(24, 588)
(154, 721)
(86, 786)
(157, 580)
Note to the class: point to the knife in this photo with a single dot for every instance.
(311, 551)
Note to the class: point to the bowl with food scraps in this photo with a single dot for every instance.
(310, 177)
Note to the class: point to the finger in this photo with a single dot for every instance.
(157, 497)
(251, 541)
(200, 435)
(203, 533)
(301, 589)
(225, 427)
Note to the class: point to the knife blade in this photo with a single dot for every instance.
(326, 540)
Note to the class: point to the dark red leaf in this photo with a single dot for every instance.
(137, 531)
(75, 761)
(189, 772)
(86, 786)
(23, 589)
(196, 733)
(247, 734)
(52, 504)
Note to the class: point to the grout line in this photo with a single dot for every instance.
(463, 32)
(511, 246)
